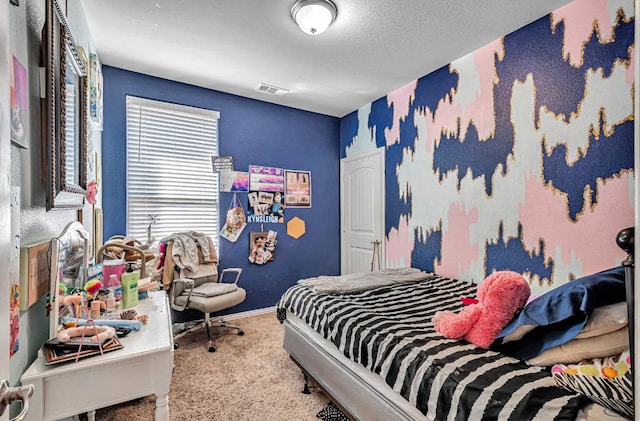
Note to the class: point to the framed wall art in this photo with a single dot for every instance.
(95, 90)
(34, 273)
(298, 189)
(19, 104)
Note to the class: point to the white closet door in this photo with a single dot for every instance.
(362, 210)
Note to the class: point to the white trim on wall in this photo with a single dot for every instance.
(256, 312)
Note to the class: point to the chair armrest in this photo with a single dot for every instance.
(237, 271)
(189, 285)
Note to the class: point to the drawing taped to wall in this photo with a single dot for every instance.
(234, 181)
(298, 192)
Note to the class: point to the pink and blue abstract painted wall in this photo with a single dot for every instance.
(517, 156)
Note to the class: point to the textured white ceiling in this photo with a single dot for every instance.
(373, 47)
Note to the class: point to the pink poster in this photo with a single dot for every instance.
(18, 75)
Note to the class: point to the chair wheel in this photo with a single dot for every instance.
(212, 348)
(240, 332)
(176, 345)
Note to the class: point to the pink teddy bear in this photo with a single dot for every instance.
(500, 296)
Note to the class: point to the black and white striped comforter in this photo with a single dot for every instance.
(389, 331)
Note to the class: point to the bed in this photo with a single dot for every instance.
(375, 352)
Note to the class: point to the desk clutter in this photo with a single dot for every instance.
(93, 318)
(81, 335)
(55, 353)
(145, 362)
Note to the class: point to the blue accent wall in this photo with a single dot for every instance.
(253, 132)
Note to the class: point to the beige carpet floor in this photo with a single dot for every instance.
(249, 377)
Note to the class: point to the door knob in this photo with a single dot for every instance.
(8, 395)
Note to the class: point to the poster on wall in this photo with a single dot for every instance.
(298, 191)
(19, 111)
(95, 90)
(234, 181)
(265, 197)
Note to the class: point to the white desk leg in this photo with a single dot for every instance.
(91, 415)
(162, 407)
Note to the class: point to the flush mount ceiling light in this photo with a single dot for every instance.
(314, 16)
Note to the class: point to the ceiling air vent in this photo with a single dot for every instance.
(270, 89)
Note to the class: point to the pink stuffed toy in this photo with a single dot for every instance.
(500, 296)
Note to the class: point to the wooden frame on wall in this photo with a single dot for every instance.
(65, 113)
(34, 273)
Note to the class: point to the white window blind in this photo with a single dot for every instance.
(169, 175)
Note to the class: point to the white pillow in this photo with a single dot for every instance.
(605, 319)
(576, 350)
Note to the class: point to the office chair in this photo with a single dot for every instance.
(203, 290)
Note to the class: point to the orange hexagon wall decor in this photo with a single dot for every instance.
(296, 227)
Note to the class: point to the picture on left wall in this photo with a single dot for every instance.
(14, 319)
(19, 111)
(95, 90)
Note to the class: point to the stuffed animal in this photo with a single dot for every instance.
(500, 296)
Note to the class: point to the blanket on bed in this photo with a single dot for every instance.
(364, 281)
(389, 331)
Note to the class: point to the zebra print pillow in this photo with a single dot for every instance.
(606, 381)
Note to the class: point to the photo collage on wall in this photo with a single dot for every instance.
(269, 191)
(265, 197)
(262, 247)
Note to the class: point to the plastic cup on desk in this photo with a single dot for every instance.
(112, 267)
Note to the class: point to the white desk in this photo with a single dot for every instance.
(143, 367)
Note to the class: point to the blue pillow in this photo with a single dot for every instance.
(560, 314)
